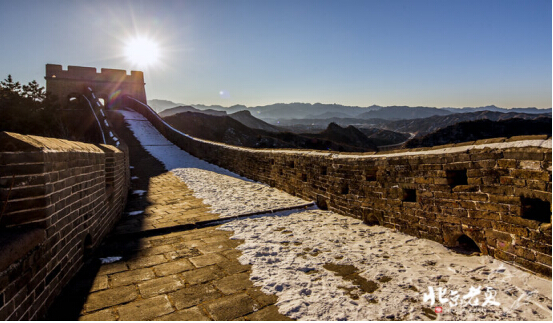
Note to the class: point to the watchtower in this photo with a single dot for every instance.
(109, 84)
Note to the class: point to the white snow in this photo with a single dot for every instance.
(139, 192)
(135, 213)
(109, 260)
(288, 250)
(106, 123)
(227, 193)
(134, 177)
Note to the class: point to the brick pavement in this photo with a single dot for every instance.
(187, 275)
(165, 209)
(170, 269)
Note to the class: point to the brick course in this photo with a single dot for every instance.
(59, 199)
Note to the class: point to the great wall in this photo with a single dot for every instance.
(60, 198)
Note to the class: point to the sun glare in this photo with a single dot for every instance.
(142, 51)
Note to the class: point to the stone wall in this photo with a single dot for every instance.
(58, 199)
(109, 84)
(494, 192)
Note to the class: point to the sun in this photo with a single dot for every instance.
(142, 52)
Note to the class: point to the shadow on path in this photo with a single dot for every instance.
(68, 305)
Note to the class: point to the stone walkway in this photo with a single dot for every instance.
(170, 204)
(174, 264)
(190, 275)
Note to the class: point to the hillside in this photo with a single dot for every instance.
(160, 105)
(382, 137)
(246, 118)
(400, 113)
(230, 131)
(432, 124)
(187, 108)
(482, 129)
(349, 136)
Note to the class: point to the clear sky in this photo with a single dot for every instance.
(442, 53)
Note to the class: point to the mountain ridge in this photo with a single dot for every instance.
(275, 112)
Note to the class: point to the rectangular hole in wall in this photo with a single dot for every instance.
(536, 209)
(272, 161)
(280, 172)
(53, 274)
(345, 189)
(304, 177)
(324, 170)
(409, 195)
(370, 175)
(456, 177)
(291, 164)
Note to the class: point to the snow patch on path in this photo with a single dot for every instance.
(227, 193)
(288, 252)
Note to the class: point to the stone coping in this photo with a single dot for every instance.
(14, 142)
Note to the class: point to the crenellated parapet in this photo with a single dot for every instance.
(108, 83)
(54, 71)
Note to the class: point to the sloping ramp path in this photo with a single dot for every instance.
(227, 194)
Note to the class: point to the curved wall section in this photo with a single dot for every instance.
(494, 192)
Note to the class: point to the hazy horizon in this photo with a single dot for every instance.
(462, 53)
(360, 106)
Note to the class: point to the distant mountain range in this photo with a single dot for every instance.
(244, 117)
(482, 129)
(376, 127)
(282, 112)
(345, 128)
(230, 131)
(424, 126)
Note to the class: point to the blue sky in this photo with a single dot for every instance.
(419, 52)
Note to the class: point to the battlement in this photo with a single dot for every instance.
(55, 71)
(74, 81)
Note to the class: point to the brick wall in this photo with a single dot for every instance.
(62, 198)
(496, 192)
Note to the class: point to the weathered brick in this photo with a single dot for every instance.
(193, 295)
(160, 286)
(131, 276)
(110, 297)
(190, 314)
(230, 307)
(146, 309)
